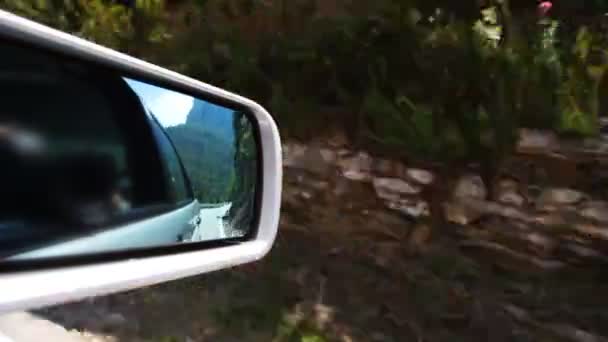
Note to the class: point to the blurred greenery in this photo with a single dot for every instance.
(434, 79)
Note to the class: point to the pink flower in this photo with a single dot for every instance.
(544, 8)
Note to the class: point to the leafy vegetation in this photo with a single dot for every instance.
(430, 79)
(109, 23)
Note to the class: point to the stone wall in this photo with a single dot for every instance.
(546, 210)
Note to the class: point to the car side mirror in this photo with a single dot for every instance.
(117, 173)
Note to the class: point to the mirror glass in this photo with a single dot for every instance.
(93, 161)
(206, 134)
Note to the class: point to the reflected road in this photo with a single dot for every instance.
(212, 225)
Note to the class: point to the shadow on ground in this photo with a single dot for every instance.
(322, 289)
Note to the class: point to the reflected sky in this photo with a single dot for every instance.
(170, 108)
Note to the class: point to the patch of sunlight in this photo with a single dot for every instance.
(169, 339)
(313, 338)
(169, 107)
(304, 325)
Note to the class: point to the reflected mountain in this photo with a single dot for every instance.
(208, 116)
(207, 147)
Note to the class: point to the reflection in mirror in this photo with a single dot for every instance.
(94, 162)
(206, 134)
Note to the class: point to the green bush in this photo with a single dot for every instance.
(104, 22)
(430, 79)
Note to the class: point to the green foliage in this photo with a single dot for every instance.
(303, 332)
(107, 25)
(401, 124)
(149, 26)
(105, 22)
(312, 338)
(433, 79)
(579, 93)
(168, 339)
